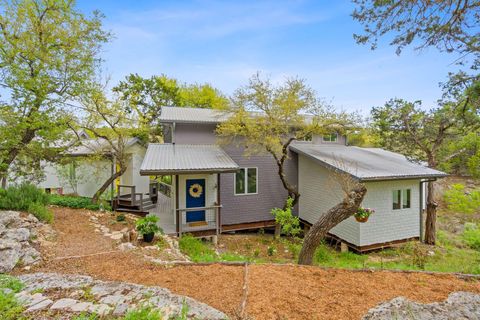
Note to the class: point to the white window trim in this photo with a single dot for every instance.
(330, 137)
(401, 199)
(246, 182)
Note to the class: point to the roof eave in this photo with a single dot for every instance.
(187, 171)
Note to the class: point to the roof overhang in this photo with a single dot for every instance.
(366, 164)
(169, 159)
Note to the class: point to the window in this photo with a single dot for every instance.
(330, 137)
(246, 181)
(401, 199)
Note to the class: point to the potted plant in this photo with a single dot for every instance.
(147, 227)
(362, 214)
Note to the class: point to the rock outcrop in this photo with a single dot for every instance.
(17, 234)
(459, 305)
(70, 294)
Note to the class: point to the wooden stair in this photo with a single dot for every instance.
(133, 202)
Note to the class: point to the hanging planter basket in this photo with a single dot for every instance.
(361, 219)
(363, 214)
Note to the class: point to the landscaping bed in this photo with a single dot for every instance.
(274, 291)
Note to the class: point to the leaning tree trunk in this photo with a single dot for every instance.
(334, 216)
(107, 183)
(430, 221)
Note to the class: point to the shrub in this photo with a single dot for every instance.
(147, 225)
(271, 250)
(21, 197)
(144, 312)
(121, 217)
(196, 249)
(11, 283)
(10, 308)
(76, 202)
(41, 212)
(461, 201)
(284, 217)
(471, 235)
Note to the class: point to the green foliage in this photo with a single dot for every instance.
(21, 197)
(364, 212)
(471, 235)
(49, 54)
(271, 250)
(461, 155)
(10, 308)
(86, 316)
(12, 283)
(145, 312)
(461, 201)
(75, 202)
(148, 225)
(196, 249)
(120, 217)
(41, 212)
(26, 197)
(289, 223)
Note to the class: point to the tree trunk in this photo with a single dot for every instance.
(327, 221)
(430, 222)
(107, 183)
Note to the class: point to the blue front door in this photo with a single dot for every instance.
(195, 199)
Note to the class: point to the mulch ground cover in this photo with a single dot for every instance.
(274, 291)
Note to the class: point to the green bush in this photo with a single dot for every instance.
(12, 283)
(289, 223)
(21, 197)
(10, 308)
(145, 312)
(26, 197)
(41, 212)
(471, 235)
(460, 201)
(196, 249)
(76, 202)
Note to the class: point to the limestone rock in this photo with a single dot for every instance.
(65, 303)
(459, 305)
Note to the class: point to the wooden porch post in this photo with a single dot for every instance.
(176, 205)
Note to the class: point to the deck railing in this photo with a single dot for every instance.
(165, 189)
(211, 222)
(130, 197)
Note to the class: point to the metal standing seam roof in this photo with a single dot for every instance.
(192, 115)
(166, 158)
(366, 164)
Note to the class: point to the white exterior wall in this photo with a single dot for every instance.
(319, 193)
(211, 190)
(386, 224)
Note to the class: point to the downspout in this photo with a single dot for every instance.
(173, 133)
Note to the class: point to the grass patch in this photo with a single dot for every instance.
(144, 312)
(12, 283)
(196, 249)
(471, 235)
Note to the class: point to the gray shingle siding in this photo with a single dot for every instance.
(271, 194)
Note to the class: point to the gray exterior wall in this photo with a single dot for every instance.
(243, 208)
(190, 133)
(270, 192)
(319, 193)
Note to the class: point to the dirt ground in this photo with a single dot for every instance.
(274, 291)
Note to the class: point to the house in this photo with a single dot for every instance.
(217, 189)
(91, 165)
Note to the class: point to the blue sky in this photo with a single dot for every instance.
(225, 42)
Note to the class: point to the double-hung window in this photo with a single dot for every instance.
(330, 137)
(246, 181)
(401, 199)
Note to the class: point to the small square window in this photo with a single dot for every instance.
(246, 181)
(330, 137)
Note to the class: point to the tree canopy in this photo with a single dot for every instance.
(49, 53)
